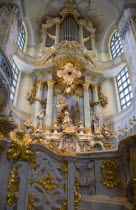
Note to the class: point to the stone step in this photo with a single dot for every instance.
(103, 202)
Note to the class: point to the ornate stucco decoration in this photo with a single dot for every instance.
(31, 96)
(12, 186)
(67, 50)
(47, 182)
(109, 171)
(30, 204)
(6, 126)
(77, 195)
(64, 204)
(20, 147)
(69, 9)
(64, 169)
(69, 73)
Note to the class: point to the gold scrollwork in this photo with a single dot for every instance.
(12, 186)
(109, 171)
(20, 147)
(77, 195)
(6, 125)
(64, 204)
(30, 204)
(53, 147)
(40, 84)
(47, 182)
(64, 169)
(95, 103)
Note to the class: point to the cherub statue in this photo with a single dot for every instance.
(106, 131)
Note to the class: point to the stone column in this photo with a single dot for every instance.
(54, 107)
(57, 33)
(44, 37)
(93, 41)
(87, 107)
(49, 105)
(81, 105)
(97, 107)
(71, 183)
(39, 94)
(81, 35)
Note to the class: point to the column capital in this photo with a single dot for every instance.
(94, 86)
(93, 34)
(40, 84)
(58, 24)
(50, 82)
(86, 85)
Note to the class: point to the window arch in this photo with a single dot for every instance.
(124, 88)
(115, 45)
(15, 79)
(21, 37)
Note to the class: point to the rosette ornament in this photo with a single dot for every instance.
(69, 73)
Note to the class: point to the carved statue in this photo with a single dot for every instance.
(75, 114)
(82, 145)
(67, 124)
(60, 105)
(69, 144)
(106, 131)
(96, 123)
(39, 119)
(29, 127)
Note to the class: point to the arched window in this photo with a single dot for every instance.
(124, 88)
(14, 83)
(21, 37)
(115, 45)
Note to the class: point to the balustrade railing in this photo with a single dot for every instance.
(6, 66)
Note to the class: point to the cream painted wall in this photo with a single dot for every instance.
(26, 83)
(109, 91)
(104, 56)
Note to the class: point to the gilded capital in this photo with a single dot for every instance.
(95, 87)
(86, 85)
(50, 82)
(40, 84)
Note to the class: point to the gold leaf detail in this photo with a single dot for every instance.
(64, 204)
(77, 195)
(109, 171)
(12, 186)
(47, 182)
(64, 169)
(30, 205)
